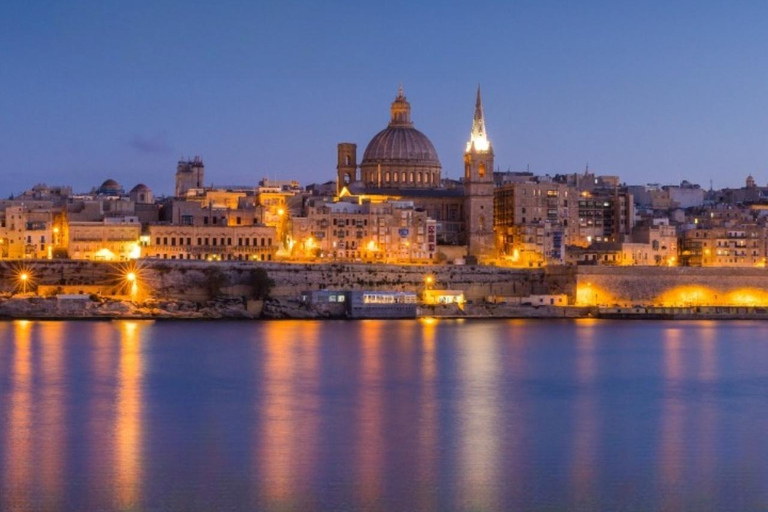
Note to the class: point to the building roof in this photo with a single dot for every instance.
(400, 143)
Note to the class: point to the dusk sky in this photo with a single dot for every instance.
(650, 91)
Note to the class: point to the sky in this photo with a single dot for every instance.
(655, 92)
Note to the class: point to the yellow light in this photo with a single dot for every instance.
(56, 230)
(135, 252)
(372, 246)
(480, 141)
(104, 254)
(24, 276)
(130, 277)
(281, 212)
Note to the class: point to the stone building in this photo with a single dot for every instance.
(478, 187)
(401, 163)
(190, 176)
(112, 239)
(534, 221)
(399, 156)
(387, 231)
(743, 246)
(604, 216)
(26, 232)
(211, 242)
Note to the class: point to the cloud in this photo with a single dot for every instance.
(153, 145)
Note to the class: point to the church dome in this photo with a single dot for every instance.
(110, 188)
(401, 144)
(140, 188)
(400, 156)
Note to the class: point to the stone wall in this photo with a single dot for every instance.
(678, 286)
(182, 279)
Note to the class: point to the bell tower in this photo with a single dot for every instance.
(478, 187)
(346, 168)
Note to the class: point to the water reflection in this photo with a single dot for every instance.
(370, 414)
(586, 429)
(706, 420)
(128, 424)
(428, 446)
(18, 431)
(672, 420)
(288, 412)
(432, 416)
(480, 417)
(52, 402)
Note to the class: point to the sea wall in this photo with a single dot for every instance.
(672, 286)
(189, 280)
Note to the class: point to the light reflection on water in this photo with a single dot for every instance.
(377, 415)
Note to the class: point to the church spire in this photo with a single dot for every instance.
(478, 138)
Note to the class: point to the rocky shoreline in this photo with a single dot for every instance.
(94, 308)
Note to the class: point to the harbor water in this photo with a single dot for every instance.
(382, 415)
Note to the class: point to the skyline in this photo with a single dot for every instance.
(104, 90)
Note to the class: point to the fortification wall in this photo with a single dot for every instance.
(184, 279)
(672, 286)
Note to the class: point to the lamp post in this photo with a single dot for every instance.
(131, 279)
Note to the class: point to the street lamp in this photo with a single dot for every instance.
(131, 279)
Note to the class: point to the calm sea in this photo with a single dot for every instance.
(384, 416)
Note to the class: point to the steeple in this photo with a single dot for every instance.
(401, 110)
(478, 139)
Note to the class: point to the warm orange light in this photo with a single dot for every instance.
(590, 295)
(281, 212)
(130, 277)
(24, 276)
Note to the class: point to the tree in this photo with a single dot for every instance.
(260, 282)
(214, 281)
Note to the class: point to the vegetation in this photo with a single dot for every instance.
(214, 281)
(260, 282)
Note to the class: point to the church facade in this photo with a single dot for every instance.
(401, 163)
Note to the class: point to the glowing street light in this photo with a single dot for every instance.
(429, 281)
(132, 279)
(24, 278)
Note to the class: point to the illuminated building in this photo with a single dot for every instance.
(743, 246)
(113, 239)
(400, 163)
(478, 187)
(213, 243)
(361, 229)
(25, 233)
(532, 221)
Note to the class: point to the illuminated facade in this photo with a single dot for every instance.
(743, 246)
(26, 233)
(399, 156)
(533, 222)
(112, 239)
(388, 231)
(478, 187)
(213, 243)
